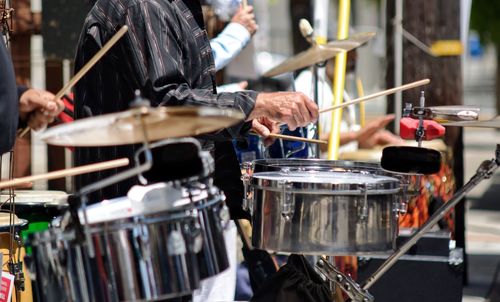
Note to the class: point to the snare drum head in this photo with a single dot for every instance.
(265, 165)
(336, 181)
(5, 221)
(34, 197)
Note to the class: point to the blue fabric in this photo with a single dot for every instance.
(228, 44)
(243, 288)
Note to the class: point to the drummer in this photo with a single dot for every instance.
(21, 107)
(167, 56)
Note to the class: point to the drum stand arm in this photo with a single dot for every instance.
(346, 283)
(485, 170)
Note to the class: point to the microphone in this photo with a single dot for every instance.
(306, 30)
(412, 160)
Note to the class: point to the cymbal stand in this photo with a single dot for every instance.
(137, 170)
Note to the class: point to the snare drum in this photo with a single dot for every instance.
(323, 207)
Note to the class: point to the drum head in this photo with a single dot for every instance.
(337, 182)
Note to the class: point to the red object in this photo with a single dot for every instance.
(7, 284)
(408, 126)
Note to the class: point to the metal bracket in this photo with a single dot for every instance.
(288, 203)
(346, 283)
(246, 176)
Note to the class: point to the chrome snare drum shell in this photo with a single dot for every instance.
(324, 210)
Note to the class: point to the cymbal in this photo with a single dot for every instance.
(123, 128)
(493, 123)
(319, 53)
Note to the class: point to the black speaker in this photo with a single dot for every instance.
(62, 21)
(430, 272)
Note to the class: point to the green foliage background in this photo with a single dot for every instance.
(485, 19)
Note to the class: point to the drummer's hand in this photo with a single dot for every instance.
(245, 17)
(38, 108)
(292, 108)
(264, 126)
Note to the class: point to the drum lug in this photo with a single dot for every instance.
(345, 282)
(288, 202)
(363, 210)
(246, 176)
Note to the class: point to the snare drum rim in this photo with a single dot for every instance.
(294, 164)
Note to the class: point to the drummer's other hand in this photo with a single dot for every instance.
(292, 108)
(38, 108)
(264, 127)
(370, 128)
(245, 17)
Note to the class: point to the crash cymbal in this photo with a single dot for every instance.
(493, 123)
(319, 53)
(124, 128)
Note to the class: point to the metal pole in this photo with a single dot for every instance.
(398, 63)
(339, 80)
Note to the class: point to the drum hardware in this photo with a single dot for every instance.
(345, 282)
(106, 47)
(288, 202)
(492, 123)
(169, 155)
(6, 16)
(485, 170)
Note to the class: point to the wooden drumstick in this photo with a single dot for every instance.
(294, 138)
(374, 96)
(378, 94)
(87, 67)
(67, 172)
(244, 3)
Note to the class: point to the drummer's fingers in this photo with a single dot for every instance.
(301, 114)
(385, 120)
(312, 108)
(261, 129)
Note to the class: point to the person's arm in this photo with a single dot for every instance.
(9, 108)
(235, 36)
(157, 63)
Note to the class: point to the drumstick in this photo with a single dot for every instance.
(294, 138)
(87, 67)
(67, 172)
(378, 94)
(244, 3)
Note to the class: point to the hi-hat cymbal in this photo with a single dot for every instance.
(493, 123)
(125, 128)
(319, 53)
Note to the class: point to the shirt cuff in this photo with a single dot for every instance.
(244, 101)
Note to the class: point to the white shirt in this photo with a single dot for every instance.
(304, 83)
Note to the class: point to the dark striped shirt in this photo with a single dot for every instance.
(166, 54)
